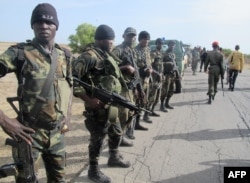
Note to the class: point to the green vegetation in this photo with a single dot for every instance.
(84, 35)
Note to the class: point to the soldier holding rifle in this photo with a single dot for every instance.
(43, 71)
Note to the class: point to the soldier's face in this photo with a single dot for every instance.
(144, 42)
(44, 31)
(130, 39)
(106, 44)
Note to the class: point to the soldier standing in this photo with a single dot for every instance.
(203, 57)
(195, 59)
(143, 62)
(43, 71)
(156, 57)
(126, 54)
(215, 61)
(169, 72)
(98, 67)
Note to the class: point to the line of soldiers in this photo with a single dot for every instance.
(45, 73)
(140, 75)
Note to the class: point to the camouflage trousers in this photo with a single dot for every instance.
(101, 123)
(167, 86)
(125, 115)
(154, 94)
(48, 145)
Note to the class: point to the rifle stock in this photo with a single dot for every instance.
(110, 98)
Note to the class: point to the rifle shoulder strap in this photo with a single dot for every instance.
(41, 98)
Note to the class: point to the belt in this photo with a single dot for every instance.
(40, 123)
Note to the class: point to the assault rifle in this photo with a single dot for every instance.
(21, 150)
(110, 98)
(25, 163)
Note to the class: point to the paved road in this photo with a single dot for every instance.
(193, 142)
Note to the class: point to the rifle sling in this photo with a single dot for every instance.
(41, 98)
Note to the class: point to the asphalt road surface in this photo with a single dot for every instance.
(192, 143)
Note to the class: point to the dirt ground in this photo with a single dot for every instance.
(76, 139)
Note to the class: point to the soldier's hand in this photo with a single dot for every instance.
(16, 130)
(93, 103)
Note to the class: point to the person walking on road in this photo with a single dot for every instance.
(235, 63)
(216, 69)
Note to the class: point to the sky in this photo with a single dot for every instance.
(194, 22)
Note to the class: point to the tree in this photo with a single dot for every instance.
(84, 35)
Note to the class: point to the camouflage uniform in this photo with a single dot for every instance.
(169, 67)
(215, 61)
(195, 59)
(156, 57)
(143, 61)
(99, 68)
(48, 139)
(127, 57)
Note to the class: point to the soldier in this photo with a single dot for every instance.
(98, 67)
(43, 71)
(126, 54)
(195, 59)
(215, 61)
(169, 72)
(156, 57)
(203, 57)
(145, 69)
(236, 63)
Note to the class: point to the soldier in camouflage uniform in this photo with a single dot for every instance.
(195, 59)
(126, 54)
(169, 72)
(143, 62)
(98, 67)
(216, 69)
(32, 63)
(156, 57)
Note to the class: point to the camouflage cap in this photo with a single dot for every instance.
(129, 30)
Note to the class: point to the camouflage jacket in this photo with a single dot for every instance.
(169, 63)
(98, 68)
(36, 66)
(127, 56)
(143, 59)
(157, 58)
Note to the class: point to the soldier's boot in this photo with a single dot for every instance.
(116, 160)
(167, 105)
(146, 118)
(138, 126)
(153, 113)
(163, 108)
(95, 174)
(209, 99)
(125, 142)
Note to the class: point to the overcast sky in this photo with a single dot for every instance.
(195, 22)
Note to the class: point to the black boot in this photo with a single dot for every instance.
(146, 118)
(162, 108)
(167, 105)
(95, 174)
(125, 142)
(209, 99)
(116, 160)
(138, 126)
(153, 113)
